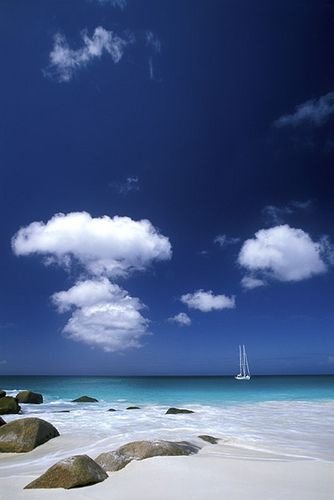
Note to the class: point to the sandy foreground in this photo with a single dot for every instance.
(216, 473)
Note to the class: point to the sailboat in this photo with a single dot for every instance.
(244, 373)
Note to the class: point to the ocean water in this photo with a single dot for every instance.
(289, 417)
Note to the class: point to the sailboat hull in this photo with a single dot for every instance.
(242, 377)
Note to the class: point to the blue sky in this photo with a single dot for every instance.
(167, 187)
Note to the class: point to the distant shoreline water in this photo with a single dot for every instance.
(289, 415)
(172, 390)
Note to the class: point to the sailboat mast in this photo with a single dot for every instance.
(240, 359)
(243, 360)
(247, 372)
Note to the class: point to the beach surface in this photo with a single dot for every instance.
(209, 475)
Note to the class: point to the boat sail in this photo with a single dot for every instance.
(244, 373)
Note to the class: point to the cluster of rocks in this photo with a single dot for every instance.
(23, 435)
(20, 436)
(10, 404)
(81, 470)
(170, 411)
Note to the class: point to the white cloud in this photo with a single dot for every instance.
(64, 61)
(223, 240)
(283, 253)
(313, 112)
(249, 282)
(102, 245)
(103, 315)
(182, 319)
(206, 301)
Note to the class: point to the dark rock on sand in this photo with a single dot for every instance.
(2, 422)
(112, 409)
(174, 411)
(209, 439)
(85, 399)
(62, 411)
(133, 408)
(25, 434)
(139, 450)
(9, 405)
(2, 394)
(29, 397)
(72, 472)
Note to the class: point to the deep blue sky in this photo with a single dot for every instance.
(190, 113)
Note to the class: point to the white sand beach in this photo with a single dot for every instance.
(209, 475)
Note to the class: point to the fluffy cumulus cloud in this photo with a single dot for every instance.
(65, 61)
(283, 253)
(207, 301)
(181, 319)
(314, 112)
(103, 315)
(102, 245)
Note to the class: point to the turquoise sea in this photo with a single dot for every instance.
(177, 390)
(290, 417)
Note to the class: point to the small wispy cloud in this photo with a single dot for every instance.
(277, 214)
(181, 319)
(330, 360)
(3, 361)
(151, 68)
(314, 112)
(153, 42)
(223, 240)
(327, 249)
(121, 4)
(249, 282)
(65, 61)
(129, 185)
